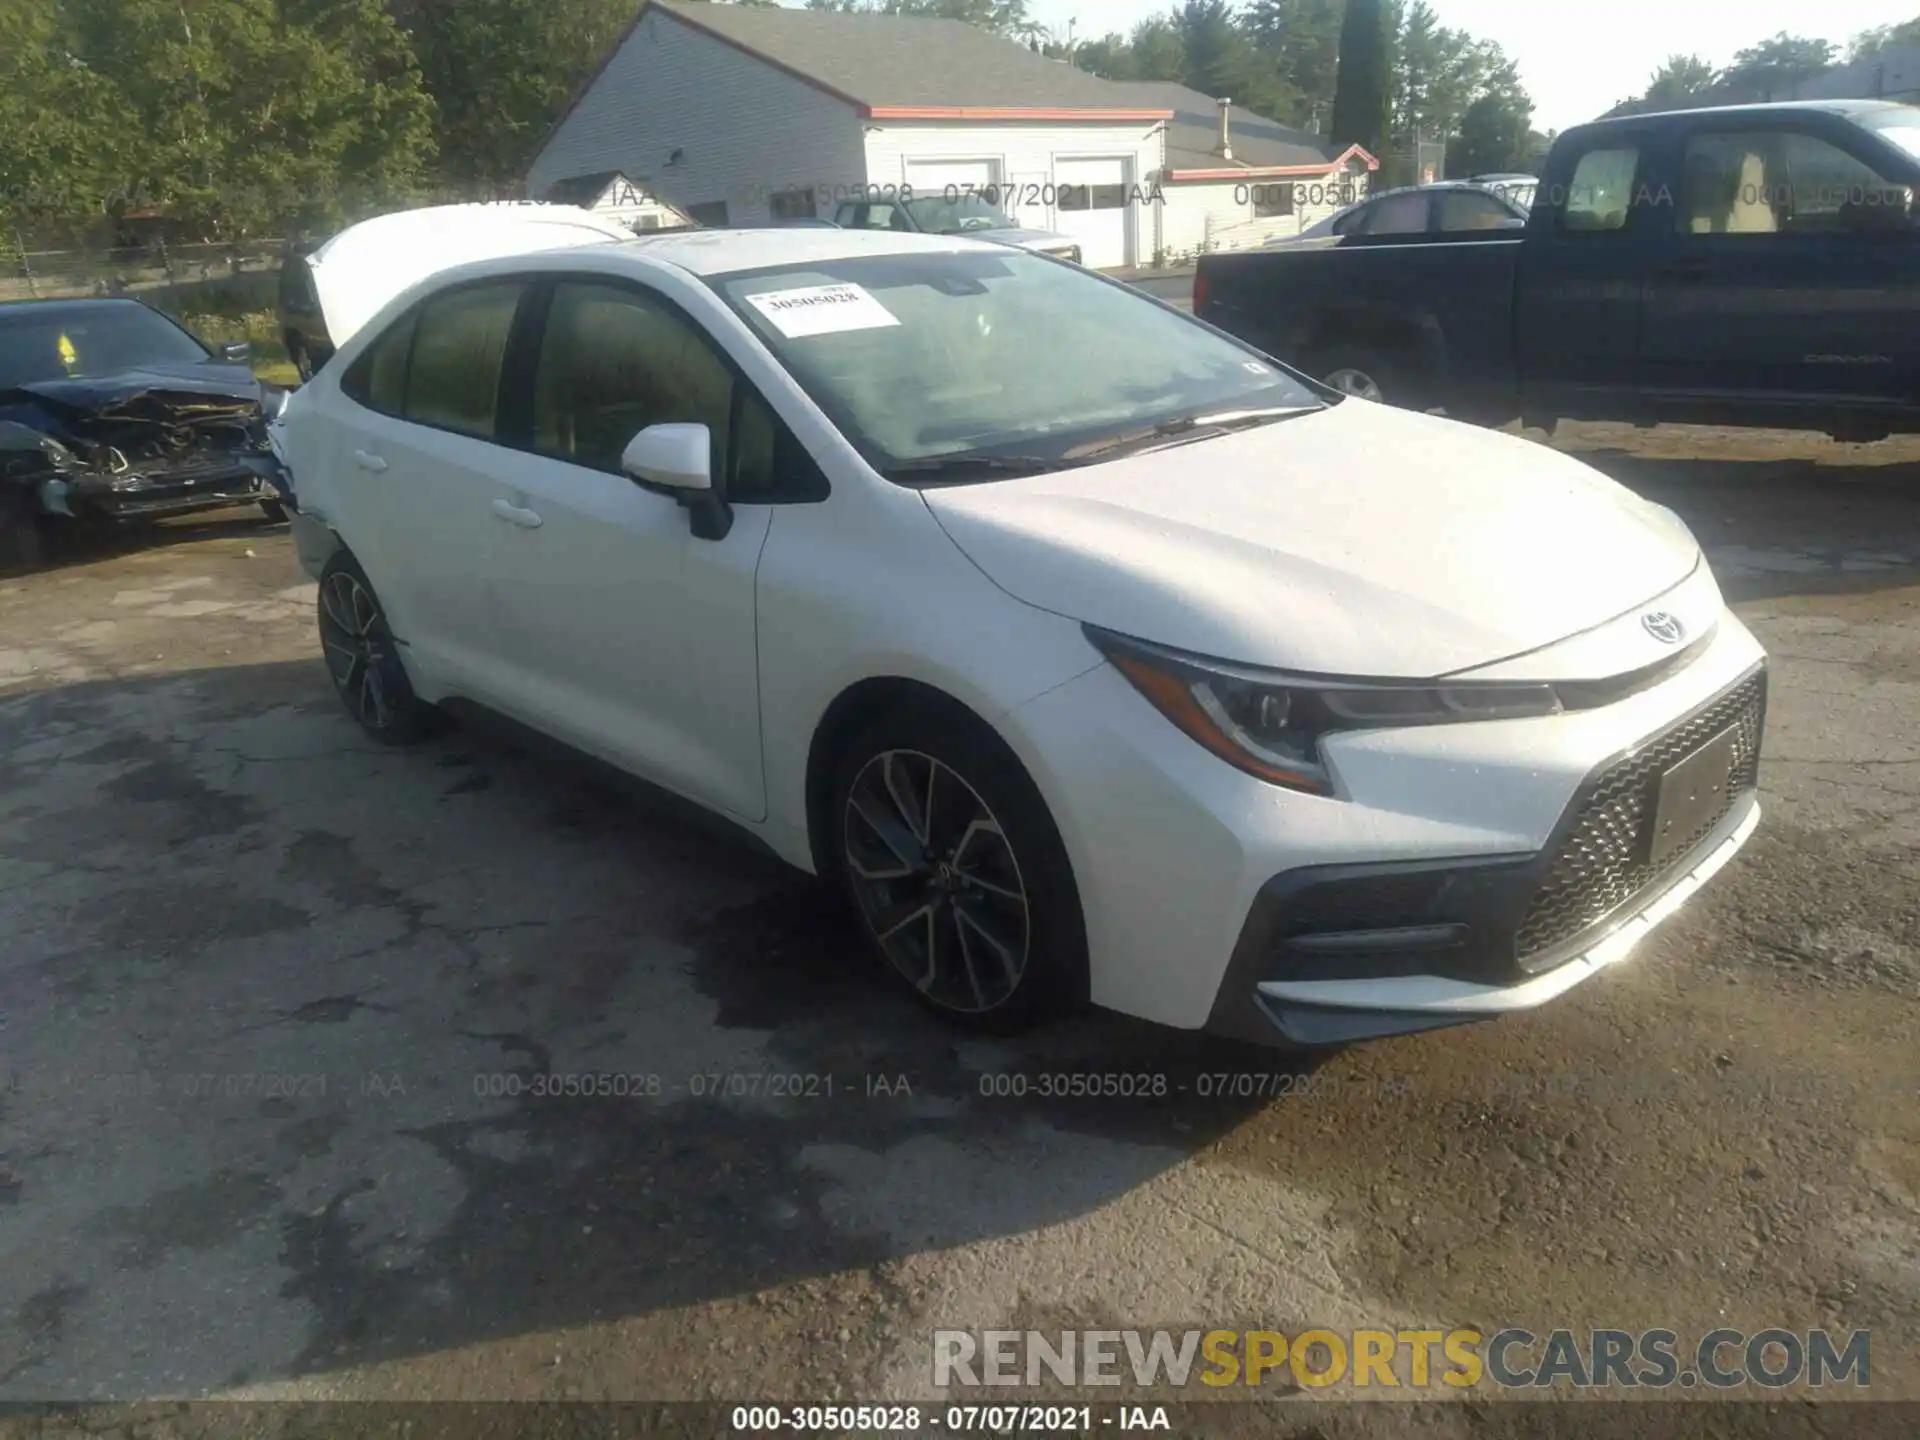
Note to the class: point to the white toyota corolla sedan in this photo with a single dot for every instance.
(1095, 654)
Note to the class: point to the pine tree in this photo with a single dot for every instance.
(1363, 93)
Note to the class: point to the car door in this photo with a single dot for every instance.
(628, 635)
(417, 468)
(1582, 279)
(1783, 279)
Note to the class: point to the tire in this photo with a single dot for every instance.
(363, 659)
(956, 869)
(1362, 374)
(23, 538)
(274, 510)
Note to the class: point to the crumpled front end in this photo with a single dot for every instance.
(134, 451)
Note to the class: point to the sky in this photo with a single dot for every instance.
(1578, 57)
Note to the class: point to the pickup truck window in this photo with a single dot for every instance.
(1772, 182)
(1600, 195)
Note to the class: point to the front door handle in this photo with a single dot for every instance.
(1689, 269)
(367, 460)
(516, 515)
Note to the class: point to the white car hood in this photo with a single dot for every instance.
(359, 270)
(1361, 541)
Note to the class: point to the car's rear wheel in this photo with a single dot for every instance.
(957, 870)
(274, 510)
(364, 660)
(1359, 374)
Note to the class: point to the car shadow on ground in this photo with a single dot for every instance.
(65, 544)
(213, 848)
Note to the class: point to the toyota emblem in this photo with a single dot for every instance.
(1664, 628)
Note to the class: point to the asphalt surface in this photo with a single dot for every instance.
(274, 1002)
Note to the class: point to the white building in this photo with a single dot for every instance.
(739, 115)
(612, 196)
(1233, 178)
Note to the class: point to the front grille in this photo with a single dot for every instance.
(1599, 866)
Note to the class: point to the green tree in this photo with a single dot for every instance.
(62, 164)
(233, 115)
(1301, 39)
(1158, 51)
(1221, 61)
(1769, 70)
(1495, 135)
(1363, 93)
(1010, 18)
(1681, 80)
(501, 72)
(1870, 43)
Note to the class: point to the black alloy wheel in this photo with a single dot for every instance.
(937, 882)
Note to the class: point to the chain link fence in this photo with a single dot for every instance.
(171, 277)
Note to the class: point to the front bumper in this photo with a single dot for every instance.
(1464, 872)
(139, 495)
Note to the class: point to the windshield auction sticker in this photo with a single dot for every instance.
(823, 310)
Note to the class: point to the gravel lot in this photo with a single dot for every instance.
(268, 991)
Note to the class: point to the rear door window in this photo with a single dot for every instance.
(459, 346)
(1465, 210)
(1398, 215)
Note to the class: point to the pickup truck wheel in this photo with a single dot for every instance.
(1363, 375)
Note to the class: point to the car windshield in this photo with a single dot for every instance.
(92, 341)
(957, 212)
(1004, 359)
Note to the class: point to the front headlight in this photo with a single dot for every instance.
(1270, 724)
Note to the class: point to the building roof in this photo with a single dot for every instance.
(1193, 136)
(1260, 145)
(908, 67)
(581, 189)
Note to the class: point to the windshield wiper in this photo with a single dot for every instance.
(959, 468)
(1186, 425)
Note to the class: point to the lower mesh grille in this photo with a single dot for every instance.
(1599, 866)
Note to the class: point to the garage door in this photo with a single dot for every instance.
(1093, 209)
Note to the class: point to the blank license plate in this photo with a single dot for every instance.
(1692, 794)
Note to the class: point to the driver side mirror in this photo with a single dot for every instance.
(677, 460)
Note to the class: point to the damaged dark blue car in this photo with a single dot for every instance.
(110, 411)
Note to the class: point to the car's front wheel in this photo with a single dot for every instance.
(957, 870)
(364, 660)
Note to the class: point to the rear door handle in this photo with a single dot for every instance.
(1689, 269)
(367, 460)
(515, 515)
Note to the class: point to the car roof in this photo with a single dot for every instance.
(725, 252)
(1849, 109)
(56, 309)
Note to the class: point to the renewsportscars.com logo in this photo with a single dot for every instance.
(1412, 1359)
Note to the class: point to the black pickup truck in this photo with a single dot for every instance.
(1752, 265)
